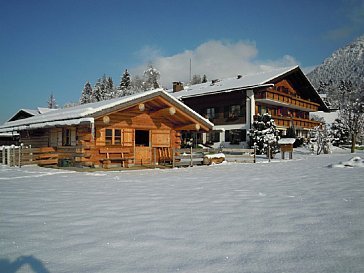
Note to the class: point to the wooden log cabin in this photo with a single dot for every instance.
(137, 129)
(232, 104)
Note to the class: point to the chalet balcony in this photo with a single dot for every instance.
(272, 97)
(297, 122)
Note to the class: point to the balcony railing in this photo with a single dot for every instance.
(284, 99)
(297, 122)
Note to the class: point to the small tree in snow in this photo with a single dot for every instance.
(264, 133)
(87, 95)
(320, 139)
(204, 79)
(52, 104)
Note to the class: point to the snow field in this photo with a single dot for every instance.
(285, 216)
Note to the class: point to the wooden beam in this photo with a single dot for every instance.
(189, 127)
(169, 111)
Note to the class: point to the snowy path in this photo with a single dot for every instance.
(285, 216)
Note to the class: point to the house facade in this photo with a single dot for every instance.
(137, 125)
(232, 104)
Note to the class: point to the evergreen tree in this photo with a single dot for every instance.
(263, 133)
(104, 89)
(52, 104)
(204, 79)
(151, 78)
(109, 88)
(87, 95)
(125, 80)
(339, 133)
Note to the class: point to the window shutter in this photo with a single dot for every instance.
(73, 137)
(59, 137)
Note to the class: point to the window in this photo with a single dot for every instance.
(66, 137)
(235, 136)
(213, 136)
(233, 111)
(108, 136)
(142, 137)
(211, 113)
(117, 136)
(113, 136)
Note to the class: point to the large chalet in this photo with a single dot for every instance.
(232, 104)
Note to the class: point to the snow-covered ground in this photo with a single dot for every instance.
(283, 216)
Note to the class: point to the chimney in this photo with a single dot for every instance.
(177, 86)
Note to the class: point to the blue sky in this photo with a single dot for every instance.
(56, 46)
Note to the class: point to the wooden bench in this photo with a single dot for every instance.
(116, 154)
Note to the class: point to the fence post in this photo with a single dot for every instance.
(255, 154)
(173, 157)
(191, 157)
(268, 152)
(30, 154)
(3, 155)
(8, 155)
(155, 156)
(20, 153)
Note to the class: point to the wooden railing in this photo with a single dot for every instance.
(296, 122)
(25, 155)
(285, 98)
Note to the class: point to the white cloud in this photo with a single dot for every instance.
(216, 59)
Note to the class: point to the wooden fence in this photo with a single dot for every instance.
(26, 155)
(191, 157)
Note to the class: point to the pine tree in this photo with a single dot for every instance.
(339, 133)
(263, 133)
(204, 79)
(52, 104)
(87, 95)
(125, 81)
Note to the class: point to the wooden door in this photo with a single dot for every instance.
(143, 155)
(143, 150)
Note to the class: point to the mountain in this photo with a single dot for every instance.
(345, 64)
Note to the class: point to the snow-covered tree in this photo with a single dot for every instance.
(52, 104)
(125, 80)
(319, 139)
(263, 133)
(351, 109)
(339, 133)
(104, 89)
(151, 78)
(196, 79)
(87, 94)
(136, 86)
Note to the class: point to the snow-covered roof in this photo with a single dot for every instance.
(251, 81)
(247, 81)
(86, 112)
(286, 141)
